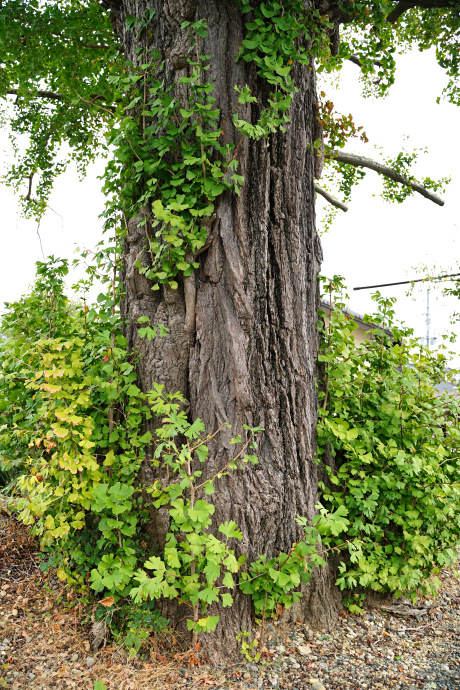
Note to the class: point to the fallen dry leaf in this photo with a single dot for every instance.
(62, 672)
(108, 601)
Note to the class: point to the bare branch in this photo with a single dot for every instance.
(331, 199)
(362, 162)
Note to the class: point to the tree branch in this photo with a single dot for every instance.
(111, 4)
(356, 61)
(397, 11)
(31, 177)
(404, 5)
(40, 94)
(337, 15)
(362, 162)
(331, 199)
(60, 97)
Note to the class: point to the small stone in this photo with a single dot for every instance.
(90, 661)
(31, 676)
(317, 686)
(304, 649)
(280, 648)
(74, 657)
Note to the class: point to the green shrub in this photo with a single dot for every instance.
(75, 425)
(395, 442)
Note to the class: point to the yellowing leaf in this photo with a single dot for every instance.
(49, 388)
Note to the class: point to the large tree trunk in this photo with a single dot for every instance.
(249, 354)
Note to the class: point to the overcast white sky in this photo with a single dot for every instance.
(374, 242)
(377, 242)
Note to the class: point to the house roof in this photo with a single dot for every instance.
(443, 387)
(357, 318)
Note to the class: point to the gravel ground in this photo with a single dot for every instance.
(43, 645)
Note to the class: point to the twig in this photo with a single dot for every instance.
(40, 239)
(110, 109)
(227, 465)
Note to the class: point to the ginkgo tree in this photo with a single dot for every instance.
(209, 115)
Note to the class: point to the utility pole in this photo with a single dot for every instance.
(428, 320)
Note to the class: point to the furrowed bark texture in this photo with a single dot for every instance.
(248, 354)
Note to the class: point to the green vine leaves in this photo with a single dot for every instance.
(172, 164)
(171, 160)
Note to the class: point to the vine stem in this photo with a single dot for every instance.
(262, 629)
(331, 548)
(227, 465)
(193, 561)
(145, 86)
(112, 339)
(207, 439)
(200, 119)
(326, 387)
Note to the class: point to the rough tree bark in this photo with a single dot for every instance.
(248, 354)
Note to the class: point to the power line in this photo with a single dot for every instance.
(408, 282)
